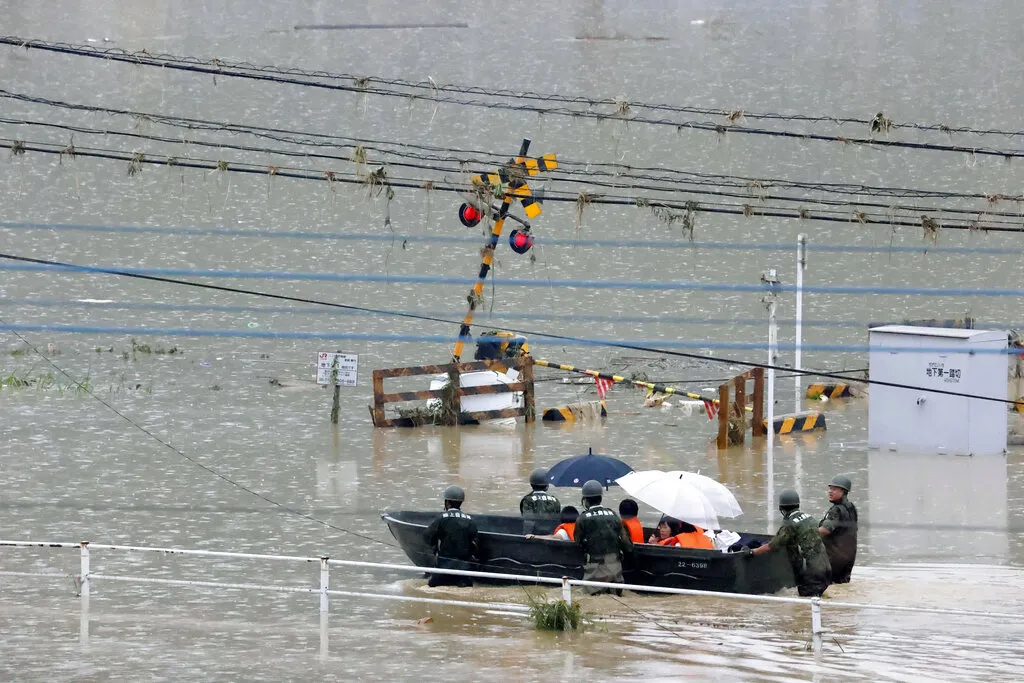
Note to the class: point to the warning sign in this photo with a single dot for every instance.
(345, 364)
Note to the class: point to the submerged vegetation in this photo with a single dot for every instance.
(556, 616)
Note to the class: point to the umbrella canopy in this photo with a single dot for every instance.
(579, 469)
(671, 495)
(721, 498)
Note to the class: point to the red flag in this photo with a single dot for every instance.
(602, 386)
(712, 409)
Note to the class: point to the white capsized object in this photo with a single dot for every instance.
(673, 496)
(721, 498)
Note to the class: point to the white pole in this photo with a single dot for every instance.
(801, 264)
(816, 616)
(566, 590)
(771, 281)
(85, 569)
(325, 583)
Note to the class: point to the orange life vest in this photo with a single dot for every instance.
(694, 539)
(570, 528)
(671, 540)
(635, 529)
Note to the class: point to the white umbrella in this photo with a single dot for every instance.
(721, 498)
(671, 495)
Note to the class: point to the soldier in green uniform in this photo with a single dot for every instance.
(452, 537)
(538, 503)
(838, 529)
(799, 537)
(599, 532)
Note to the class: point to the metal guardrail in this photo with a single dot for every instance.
(86, 577)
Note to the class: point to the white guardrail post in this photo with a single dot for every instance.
(566, 590)
(84, 590)
(816, 616)
(325, 583)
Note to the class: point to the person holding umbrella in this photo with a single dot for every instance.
(538, 503)
(599, 532)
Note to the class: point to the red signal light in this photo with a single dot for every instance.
(469, 216)
(520, 241)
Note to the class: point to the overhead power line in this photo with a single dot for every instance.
(923, 249)
(40, 265)
(378, 181)
(462, 159)
(577, 107)
(532, 333)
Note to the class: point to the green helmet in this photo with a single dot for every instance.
(539, 477)
(592, 489)
(842, 482)
(455, 494)
(789, 499)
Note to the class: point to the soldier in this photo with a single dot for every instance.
(599, 532)
(538, 503)
(800, 538)
(838, 529)
(452, 537)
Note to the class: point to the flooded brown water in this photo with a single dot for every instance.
(938, 532)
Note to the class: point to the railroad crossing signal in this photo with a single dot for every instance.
(508, 184)
(510, 180)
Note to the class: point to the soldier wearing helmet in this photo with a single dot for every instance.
(838, 528)
(538, 503)
(453, 539)
(799, 537)
(599, 532)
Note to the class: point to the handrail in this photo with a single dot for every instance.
(325, 562)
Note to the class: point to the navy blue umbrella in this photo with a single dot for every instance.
(579, 469)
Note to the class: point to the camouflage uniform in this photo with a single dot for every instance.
(538, 505)
(599, 532)
(841, 543)
(800, 538)
(452, 537)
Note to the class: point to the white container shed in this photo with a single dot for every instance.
(960, 361)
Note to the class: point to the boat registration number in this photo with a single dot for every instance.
(683, 564)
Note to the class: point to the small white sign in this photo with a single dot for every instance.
(347, 366)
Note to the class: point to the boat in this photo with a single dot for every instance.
(505, 550)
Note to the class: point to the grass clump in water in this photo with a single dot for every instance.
(556, 616)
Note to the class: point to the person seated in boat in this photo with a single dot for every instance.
(665, 532)
(567, 529)
(538, 504)
(683, 534)
(453, 539)
(628, 510)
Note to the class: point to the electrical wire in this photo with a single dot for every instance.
(533, 333)
(365, 86)
(378, 181)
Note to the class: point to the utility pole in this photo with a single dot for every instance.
(771, 283)
(801, 264)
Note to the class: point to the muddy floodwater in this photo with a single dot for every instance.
(202, 428)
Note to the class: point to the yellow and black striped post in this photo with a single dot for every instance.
(829, 391)
(811, 421)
